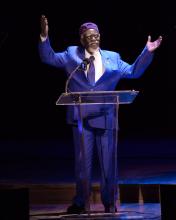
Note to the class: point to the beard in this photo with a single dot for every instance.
(93, 46)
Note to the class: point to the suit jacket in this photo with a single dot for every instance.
(98, 116)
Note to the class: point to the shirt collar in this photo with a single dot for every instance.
(87, 54)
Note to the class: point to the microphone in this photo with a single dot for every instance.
(82, 66)
(86, 61)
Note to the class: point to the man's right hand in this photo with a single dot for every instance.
(44, 26)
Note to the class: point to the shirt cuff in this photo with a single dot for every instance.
(42, 38)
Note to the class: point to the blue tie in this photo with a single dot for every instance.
(91, 71)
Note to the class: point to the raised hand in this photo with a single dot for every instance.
(44, 26)
(151, 46)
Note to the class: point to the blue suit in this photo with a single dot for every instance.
(99, 120)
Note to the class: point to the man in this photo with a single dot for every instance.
(107, 68)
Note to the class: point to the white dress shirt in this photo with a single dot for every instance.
(99, 70)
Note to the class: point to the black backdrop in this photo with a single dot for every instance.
(29, 89)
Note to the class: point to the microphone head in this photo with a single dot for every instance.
(91, 58)
(83, 65)
(86, 61)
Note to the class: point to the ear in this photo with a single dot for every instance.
(82, 40)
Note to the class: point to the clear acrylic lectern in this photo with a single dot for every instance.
(80, 99)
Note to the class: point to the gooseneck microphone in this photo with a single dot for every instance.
(82, 66)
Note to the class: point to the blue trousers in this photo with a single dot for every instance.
(103, 139)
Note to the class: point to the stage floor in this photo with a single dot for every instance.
(125, 211)
(43, 163)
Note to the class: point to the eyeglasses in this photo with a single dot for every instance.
(90, 37)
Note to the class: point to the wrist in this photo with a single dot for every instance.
(43, 38)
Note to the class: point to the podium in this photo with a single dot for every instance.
(110, 100)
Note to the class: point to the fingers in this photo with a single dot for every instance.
(149, 38)
(160, 38)
(44, 26)
(158, 41)
(44, 20)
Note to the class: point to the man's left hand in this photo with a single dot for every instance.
(151, 46)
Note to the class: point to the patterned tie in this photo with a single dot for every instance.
(91, 71)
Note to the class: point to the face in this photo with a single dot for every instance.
(90, 39)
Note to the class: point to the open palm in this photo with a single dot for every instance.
(151, 46)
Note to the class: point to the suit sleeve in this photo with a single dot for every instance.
(138, 67)
(48, 56)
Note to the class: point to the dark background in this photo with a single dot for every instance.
(29, 89)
